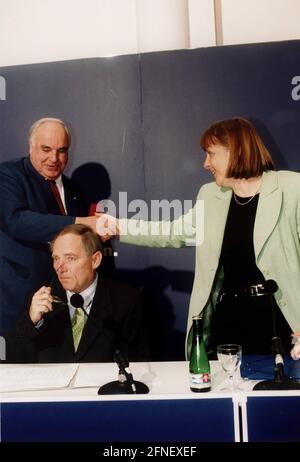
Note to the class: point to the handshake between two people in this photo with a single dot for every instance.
(107, 226)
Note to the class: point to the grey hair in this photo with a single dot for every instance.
(38, 123)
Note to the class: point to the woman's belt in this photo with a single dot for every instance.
(264, 288)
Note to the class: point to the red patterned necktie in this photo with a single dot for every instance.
(57, 196)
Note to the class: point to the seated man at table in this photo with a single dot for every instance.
(82, 316)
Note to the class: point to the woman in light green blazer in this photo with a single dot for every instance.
(249, 233)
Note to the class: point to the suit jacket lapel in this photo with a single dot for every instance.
(95, 322)
(268, 210)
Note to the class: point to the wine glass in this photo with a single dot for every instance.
(230, 357)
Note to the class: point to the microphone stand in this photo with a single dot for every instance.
(125, 383)
(280, 381)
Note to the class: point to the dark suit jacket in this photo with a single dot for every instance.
(29, 218)
(116, 321)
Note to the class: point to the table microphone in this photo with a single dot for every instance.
(124, 369)
(121, 386)
(280, 381)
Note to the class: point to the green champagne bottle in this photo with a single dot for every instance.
(199, 364)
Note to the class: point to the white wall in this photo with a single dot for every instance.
(252, 21)
(51, 30)
(202, 23)
(162, 23)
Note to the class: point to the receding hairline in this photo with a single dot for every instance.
(34, 127)
(89, 239)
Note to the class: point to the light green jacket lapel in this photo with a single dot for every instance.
(268, 210)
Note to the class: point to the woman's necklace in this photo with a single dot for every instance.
(247, 202)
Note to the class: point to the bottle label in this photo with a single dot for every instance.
(200, 381)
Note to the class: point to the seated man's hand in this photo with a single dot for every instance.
(41, 303)
(107, 226)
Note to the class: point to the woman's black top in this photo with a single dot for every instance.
(245, 320)
(237, 255)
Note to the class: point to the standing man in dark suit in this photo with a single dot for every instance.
(37, 201)
(57, 329)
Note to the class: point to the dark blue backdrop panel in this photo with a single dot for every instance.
(272, 419)
(136, 122)
(109, 421)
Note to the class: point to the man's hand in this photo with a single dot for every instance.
(41, 303)
(107, 226)
(88, 221)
